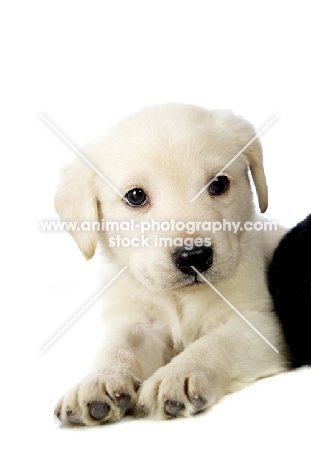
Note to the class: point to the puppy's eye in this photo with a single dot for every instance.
(219, 185)
(136, 197)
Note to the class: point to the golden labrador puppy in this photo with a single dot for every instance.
(190, 319)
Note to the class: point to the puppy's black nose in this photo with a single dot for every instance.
(200, 258)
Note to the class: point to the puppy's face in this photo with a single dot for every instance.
(158, 160)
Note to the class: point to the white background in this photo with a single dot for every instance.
(84, 65)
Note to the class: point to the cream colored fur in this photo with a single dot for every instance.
(175, 340)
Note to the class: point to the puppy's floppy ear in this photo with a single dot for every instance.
(75, 201)
(255, 159)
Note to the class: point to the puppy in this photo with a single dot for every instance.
(290, 286)
(175, 341)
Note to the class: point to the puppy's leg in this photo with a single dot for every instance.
(129, 356)
(214, 365)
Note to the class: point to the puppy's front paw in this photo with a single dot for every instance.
(178, 390)
(101, 397)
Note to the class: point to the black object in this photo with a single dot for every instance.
(290, 287)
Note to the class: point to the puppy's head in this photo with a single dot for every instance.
(158, 160)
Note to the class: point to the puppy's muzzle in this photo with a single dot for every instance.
(200, 258)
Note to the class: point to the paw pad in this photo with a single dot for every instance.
(98, 409)
(123, 400)
(173, 407)
(198, 402)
